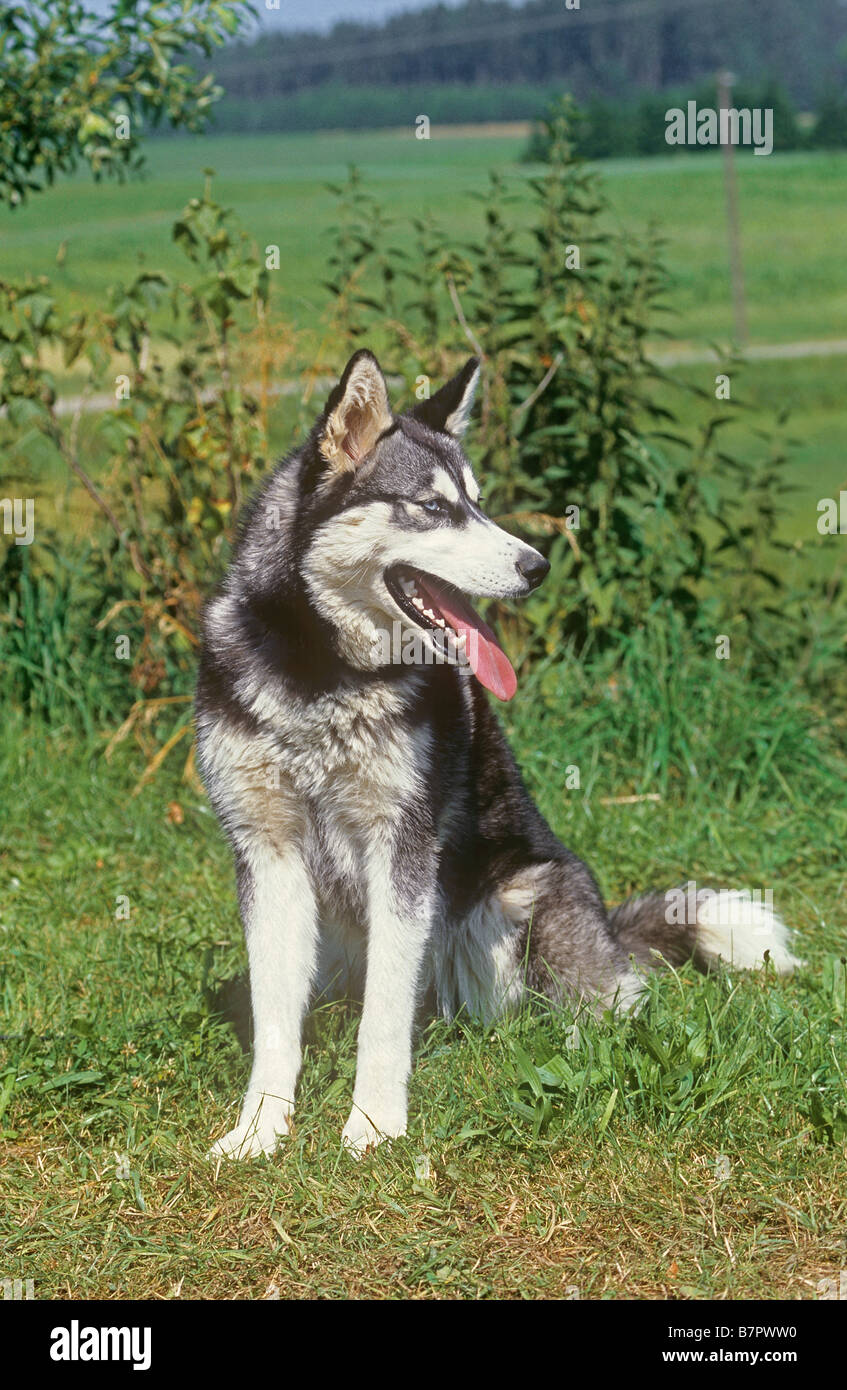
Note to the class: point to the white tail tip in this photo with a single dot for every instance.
(733, 927)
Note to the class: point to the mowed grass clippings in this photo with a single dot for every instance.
(697, 1151)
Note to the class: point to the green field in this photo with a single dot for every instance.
(696, 1153)
(794, 222)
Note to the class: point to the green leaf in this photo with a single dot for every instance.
(73, 1078)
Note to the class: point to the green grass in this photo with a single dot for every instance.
(552, 1167)
(790, 204)
(802, 402)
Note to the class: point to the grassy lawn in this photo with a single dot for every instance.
(698, 1151)
(801, 404)
(792, 215)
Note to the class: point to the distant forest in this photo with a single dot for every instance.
(490, 61)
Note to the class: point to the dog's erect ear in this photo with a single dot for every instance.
(449, 409)
(356, 415)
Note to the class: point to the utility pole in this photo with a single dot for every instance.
(739, 307)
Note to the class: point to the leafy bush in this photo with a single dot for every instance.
(639, 520)
(607, 129)
(181, 446)
(51, 655)
(830, 128)
(77, 86)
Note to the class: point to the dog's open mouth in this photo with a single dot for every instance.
(433, 603)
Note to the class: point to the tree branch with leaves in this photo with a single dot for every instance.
(77, 87)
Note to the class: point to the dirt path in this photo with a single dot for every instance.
(669, 357)
(765, 352)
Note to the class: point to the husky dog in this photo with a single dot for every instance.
(384, 843)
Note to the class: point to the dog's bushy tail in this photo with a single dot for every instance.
(705, 926)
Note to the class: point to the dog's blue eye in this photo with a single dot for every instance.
(433, 505)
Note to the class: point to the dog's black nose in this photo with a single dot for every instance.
(533, 568)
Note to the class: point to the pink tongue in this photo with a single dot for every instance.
(486, 657)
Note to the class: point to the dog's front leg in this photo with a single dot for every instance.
(279, 913)
(399, 930)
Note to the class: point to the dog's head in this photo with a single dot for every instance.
(400, 537)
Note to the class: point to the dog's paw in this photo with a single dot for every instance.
(258, 1134)
(362, 1133)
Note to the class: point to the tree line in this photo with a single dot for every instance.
(609, 48)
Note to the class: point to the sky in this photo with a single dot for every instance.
(322, 14)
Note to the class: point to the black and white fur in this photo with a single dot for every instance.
(384, 843)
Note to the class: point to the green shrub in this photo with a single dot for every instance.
(660, 533)
(608, 129)
(830, 129)
(180, 448)
(52, 659)
(78, 84)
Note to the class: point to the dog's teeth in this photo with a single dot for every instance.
(417, 602)
(461, 639)
(408, 587)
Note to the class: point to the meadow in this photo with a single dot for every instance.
(792, 217)
(793, 235)
(699, 1151)
(696, 1151)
